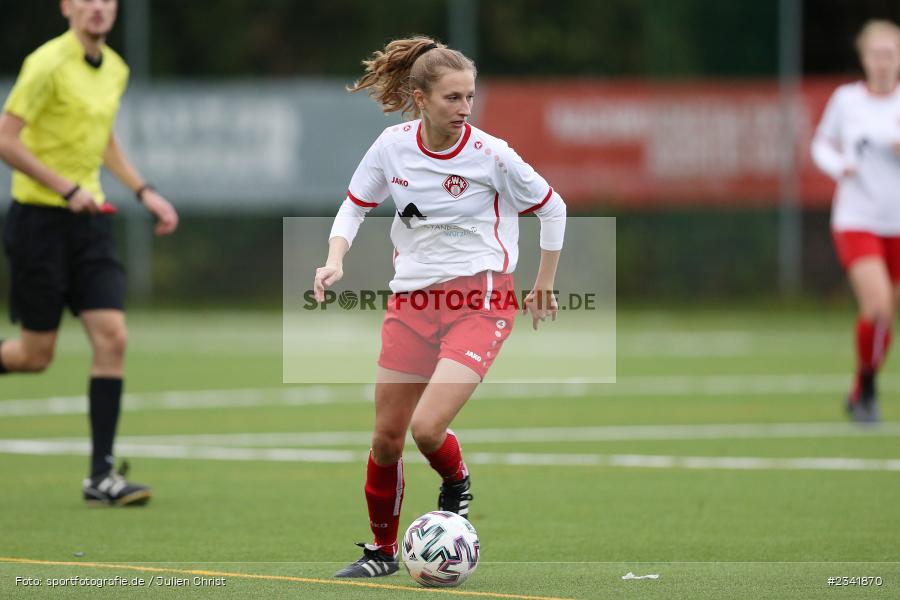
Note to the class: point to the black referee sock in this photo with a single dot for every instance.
(105, 399)
(2, 366)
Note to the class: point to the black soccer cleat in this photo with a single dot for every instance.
(374, 563)
(112, 489)
(455, 497)
(863, 411)
(862, 403)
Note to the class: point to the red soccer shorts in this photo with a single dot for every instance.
(466, 319)
(853, 245)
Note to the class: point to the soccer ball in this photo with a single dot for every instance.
(440, 549)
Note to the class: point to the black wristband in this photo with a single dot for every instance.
(68, 195)
(139, 193)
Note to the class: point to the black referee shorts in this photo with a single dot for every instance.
(58, 258)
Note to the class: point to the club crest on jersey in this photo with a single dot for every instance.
(455, 185)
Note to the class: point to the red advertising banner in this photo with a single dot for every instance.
(646, 144)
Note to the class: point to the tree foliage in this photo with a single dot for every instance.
(523, 38)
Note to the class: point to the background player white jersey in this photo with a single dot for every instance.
(456, 210)
(859, 133)
(858, 144)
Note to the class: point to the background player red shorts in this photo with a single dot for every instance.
(853, 245)
(449, 320)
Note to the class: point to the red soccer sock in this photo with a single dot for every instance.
(873, 338)
(384, 496)
(447, 460)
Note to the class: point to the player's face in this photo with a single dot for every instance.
(449, 104)
(881, 57)
(92, 17)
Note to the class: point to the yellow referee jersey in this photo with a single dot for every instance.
(69, 107)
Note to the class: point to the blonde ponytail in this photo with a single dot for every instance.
(405, 65)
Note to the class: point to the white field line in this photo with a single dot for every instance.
(688, 345)
(198, 399)
(334, 336)
(542, 434)
(47, 447)
(832, 385)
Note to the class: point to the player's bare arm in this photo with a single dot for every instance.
(333, 270)
(541, 300)
(119, 165)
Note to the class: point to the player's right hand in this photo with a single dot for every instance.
(167, 218)
(541, 303)
(325, 277)
(83, 202)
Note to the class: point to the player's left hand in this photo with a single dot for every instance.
(540, 303)
(159, 207)
(325, 277)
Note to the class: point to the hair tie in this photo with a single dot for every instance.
(430, 46)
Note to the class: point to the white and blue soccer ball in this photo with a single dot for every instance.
(440, 549)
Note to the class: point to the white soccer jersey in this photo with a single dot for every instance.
(859, 129)
(456, 211)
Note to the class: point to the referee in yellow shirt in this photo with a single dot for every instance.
(56, 132)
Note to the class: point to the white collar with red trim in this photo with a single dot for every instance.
(450, 152)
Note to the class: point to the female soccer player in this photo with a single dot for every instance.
(858, 145)
(458, 193)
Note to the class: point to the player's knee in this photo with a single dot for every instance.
(879, 311)
(37, 360)
(387, 448)
(112, 342)
(428, 436)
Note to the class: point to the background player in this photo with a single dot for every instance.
(55, 132)
(444, 175)
(858, 144)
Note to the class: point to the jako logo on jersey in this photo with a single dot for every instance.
(478, 145)
(407, 127)
(408, 213)
(501, 324)
(455, 185)
(399, 181)
(471, 354)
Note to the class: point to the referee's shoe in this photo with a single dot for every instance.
(112, 489)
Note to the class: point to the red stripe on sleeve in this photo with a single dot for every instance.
(538, 206)
(359, 202)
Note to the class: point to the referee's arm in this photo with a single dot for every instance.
(14, 153)
(118, 164)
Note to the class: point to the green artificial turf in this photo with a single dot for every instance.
(279, 526)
